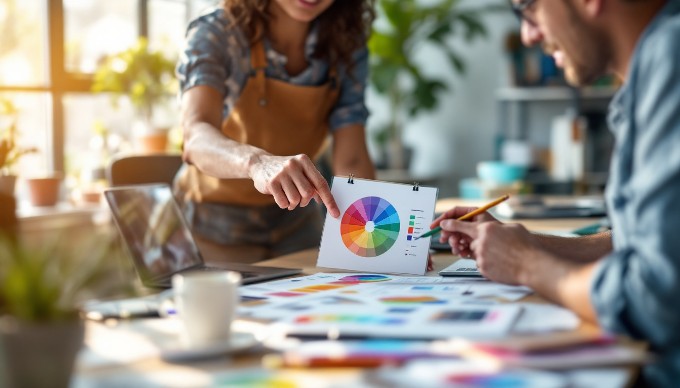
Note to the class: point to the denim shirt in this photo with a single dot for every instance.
(636, 289)
(218, 55)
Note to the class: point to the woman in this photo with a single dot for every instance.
(263, 84)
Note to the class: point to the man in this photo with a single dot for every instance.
(628, 280)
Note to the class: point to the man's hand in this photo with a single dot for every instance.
(293, 181)
(503, 252)
(460, 244)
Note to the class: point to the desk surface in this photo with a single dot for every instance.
(152, 371)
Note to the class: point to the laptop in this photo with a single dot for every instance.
(532, 206)
(462, 267)
(159, 240)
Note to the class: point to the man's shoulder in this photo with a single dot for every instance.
(663, 41)
(657, 58)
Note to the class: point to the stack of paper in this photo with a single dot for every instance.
(567, 350)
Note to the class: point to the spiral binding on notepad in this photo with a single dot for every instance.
(416, 186)
(350, 180)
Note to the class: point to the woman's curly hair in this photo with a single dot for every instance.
(343, 27)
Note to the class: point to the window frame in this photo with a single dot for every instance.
(61, 82)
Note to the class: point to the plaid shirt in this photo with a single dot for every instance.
(218, 55)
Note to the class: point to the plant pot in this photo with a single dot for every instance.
(8, 184)
(149, 138)
(153, 142)
(39, 354)
(44, 191)
(397, 155)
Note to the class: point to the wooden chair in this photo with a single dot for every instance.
(140, 169)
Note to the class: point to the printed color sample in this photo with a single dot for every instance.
(370, 226)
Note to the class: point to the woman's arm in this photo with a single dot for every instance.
(204, 144)
(292, 180)
(350, 154)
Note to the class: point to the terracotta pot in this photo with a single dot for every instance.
(153, 142)
(44, 191)
(39, 354)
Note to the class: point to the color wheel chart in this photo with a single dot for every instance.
(370, 227)
(363, 279)
(376, 218)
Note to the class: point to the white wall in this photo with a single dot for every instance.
(451, 140)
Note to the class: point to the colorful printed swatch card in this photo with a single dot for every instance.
(378, 226)
(401, 319)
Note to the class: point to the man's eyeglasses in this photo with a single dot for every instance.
(520, 9)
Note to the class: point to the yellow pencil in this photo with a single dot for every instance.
(468, 215)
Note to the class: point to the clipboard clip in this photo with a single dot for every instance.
(416, 186)
(350, 180)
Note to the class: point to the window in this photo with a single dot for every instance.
(94, 29)
(49, 51)
(22, 43)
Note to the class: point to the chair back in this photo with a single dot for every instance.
(140, 169)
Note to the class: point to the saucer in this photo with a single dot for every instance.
(238, 341)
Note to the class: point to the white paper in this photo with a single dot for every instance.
(398, 320)
(377, 227)
(536, 318)
(284, 298)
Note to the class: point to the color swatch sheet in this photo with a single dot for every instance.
(379, 305)
(377, 227)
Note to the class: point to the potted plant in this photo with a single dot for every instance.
(402, 28)
(144, 76)
(10, 152)
(41, 330)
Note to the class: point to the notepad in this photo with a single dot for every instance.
(378, 226)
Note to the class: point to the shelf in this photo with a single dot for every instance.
(63, 215)
(403, 176)
(554, 93)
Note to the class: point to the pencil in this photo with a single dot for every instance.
(468, 215)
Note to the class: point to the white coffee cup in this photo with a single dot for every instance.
(205, 303)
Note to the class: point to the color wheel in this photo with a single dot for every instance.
(363, 279)
(370, 226)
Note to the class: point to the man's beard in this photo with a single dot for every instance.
(587, 58)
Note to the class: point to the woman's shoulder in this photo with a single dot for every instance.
(216, 17)
(216, 23)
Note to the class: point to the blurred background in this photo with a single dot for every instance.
(476, 113)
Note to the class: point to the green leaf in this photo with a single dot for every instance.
(408, 23)
(384, 76)
(456, 61)
(138, 73)
(425, 94)
(383, 46)
(440, 32)
(43, 282)
(473, 25)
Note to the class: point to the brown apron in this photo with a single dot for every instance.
(279, 117)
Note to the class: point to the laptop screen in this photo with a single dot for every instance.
(154, 229)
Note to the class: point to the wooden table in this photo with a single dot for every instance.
(152, 371)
